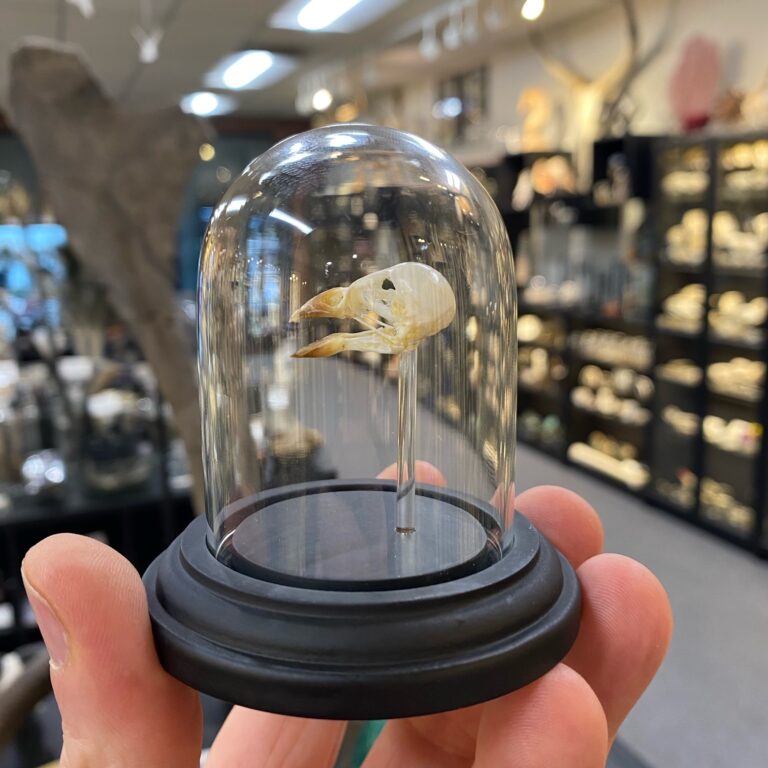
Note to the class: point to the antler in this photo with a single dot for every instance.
(559, 69)
(640, 61)
(612, 77)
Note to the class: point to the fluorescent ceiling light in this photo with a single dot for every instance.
(207, 104)
(319, 14)
(532, 9)
(246, 70)
(330, 15)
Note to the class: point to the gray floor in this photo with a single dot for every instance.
(708, 706)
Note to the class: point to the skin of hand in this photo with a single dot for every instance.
(121, 710)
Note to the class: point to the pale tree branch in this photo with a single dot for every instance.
(116, 181)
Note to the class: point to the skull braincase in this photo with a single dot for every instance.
(400, 306)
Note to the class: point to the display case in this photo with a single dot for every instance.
(732, 491)
(660, 327)
(682, 205)
(361, 555)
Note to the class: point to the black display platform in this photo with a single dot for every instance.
(338, 535)
(363, 653)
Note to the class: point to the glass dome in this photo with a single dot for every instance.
(357, 357)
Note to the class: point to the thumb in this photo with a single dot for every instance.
(118, 707)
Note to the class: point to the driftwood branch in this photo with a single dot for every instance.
(116, 181)
(22, 696)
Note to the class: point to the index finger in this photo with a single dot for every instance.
(568, 521)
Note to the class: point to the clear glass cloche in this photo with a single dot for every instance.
(357, 357)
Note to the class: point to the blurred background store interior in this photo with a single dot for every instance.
(625, 143)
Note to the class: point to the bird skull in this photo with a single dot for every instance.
(400, 307)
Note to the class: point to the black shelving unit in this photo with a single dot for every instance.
(501, 180)
(687, 460)
(139, 523)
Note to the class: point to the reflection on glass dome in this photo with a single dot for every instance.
(357, 359)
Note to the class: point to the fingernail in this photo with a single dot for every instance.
(52, 630)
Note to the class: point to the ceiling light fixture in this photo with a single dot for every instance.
(247, 67)
(148, 33)
(532, 9)
(337, 16)
(207, 104)
(429, 46)
(322, 99)
(149, 44)
(319, 14)
(250, 69)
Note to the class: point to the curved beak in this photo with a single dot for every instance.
(329, 303)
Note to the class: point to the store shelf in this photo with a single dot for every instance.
(752, 199)
(742, 402)
(632, 324)
(527, 308)
(677, 384)
(670, 433)
(677, 333)
(740, 272)
(659, 445)
(679, 267)
(547, 392)
(720, 525)
(541, 345)
(736, 343)
(608, 419)
(667, 504)
(684, 202)
(738, 455)
(580, 359)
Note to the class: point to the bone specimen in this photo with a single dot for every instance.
(400, 307)
(535, 105)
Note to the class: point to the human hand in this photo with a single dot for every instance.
(122, 710)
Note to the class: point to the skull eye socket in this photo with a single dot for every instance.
(387, 285)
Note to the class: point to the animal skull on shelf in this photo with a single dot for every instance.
(399, 306)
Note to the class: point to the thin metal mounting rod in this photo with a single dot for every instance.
(406, 416)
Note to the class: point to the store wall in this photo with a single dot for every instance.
(593, 42)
